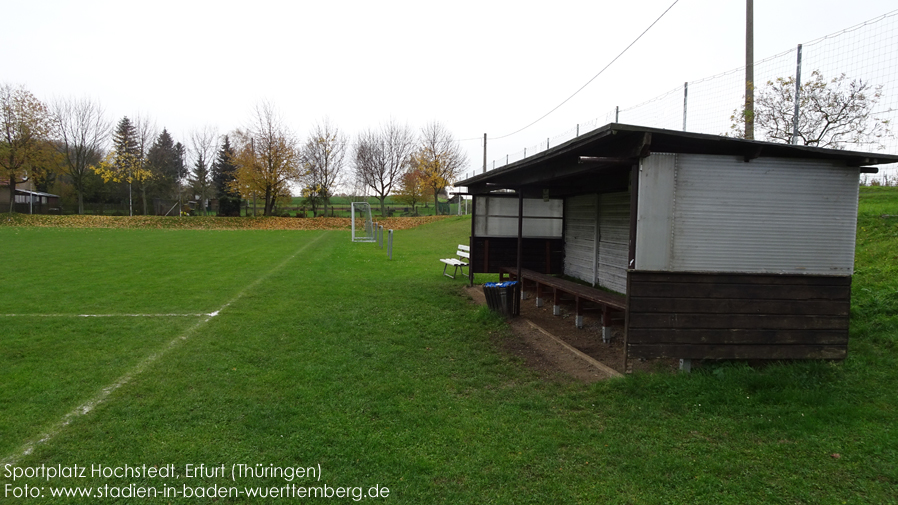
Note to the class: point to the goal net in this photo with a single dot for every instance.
(362, 224)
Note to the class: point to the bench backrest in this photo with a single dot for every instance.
(463, 251)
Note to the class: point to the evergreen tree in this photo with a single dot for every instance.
(163, 160)
(222, 174)
(182, 168)
(124, 142)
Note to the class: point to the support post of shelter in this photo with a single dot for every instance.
(606, 324)
(631, 254)
(579, 317)
(473, 230)
(520, 249)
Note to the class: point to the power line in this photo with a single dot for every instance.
(589, 81)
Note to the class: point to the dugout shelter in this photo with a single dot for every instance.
(721, 248)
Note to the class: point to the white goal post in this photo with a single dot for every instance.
(362, 224)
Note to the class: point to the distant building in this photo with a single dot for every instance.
(28, 201)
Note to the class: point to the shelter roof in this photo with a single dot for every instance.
(600, 161)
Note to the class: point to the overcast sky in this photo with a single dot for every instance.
(478, 67)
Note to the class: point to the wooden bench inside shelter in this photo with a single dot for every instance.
(609, 302)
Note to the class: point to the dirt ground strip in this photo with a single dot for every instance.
(542, 353)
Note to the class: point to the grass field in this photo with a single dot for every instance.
(299, 349)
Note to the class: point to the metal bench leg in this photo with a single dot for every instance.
(445, 266)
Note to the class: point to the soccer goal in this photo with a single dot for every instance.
(362, 224)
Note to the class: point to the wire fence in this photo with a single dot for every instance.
(867, 52)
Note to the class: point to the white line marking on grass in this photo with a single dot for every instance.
(104, 393)
(212, 314)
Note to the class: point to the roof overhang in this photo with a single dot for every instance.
(34, 193)
(600, 161)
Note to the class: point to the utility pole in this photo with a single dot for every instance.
(252, 145)
(797, 97)
(484, 153)
(749, 70)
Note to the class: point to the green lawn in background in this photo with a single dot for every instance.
(326, 352)
(339, 206)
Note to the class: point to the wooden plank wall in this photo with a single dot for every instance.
(489, 254)
(737, 316)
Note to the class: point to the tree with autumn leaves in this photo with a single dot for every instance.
(412, 189)
(264, 162)
(439, 160)
(126, 162)
(266, 157)
(25, 149)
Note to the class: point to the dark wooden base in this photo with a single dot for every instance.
(737, 316)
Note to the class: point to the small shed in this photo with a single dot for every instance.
(28, 201)
(724, 248)
(36, 202)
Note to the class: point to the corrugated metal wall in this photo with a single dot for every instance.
(768, 215)
(596, 239)
(580, 236)
(614, 239)
(657, 178)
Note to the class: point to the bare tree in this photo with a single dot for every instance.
(82, 130)
(323, 159)
(439, 158)
(381, 157)
(145, 133)
(832, 113)
(204, 144)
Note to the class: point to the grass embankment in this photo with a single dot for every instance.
(205, 223)
(340, 206)
(326, 352)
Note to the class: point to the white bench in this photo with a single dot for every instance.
(464, 255)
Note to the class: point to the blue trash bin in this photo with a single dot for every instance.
(502, 297)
